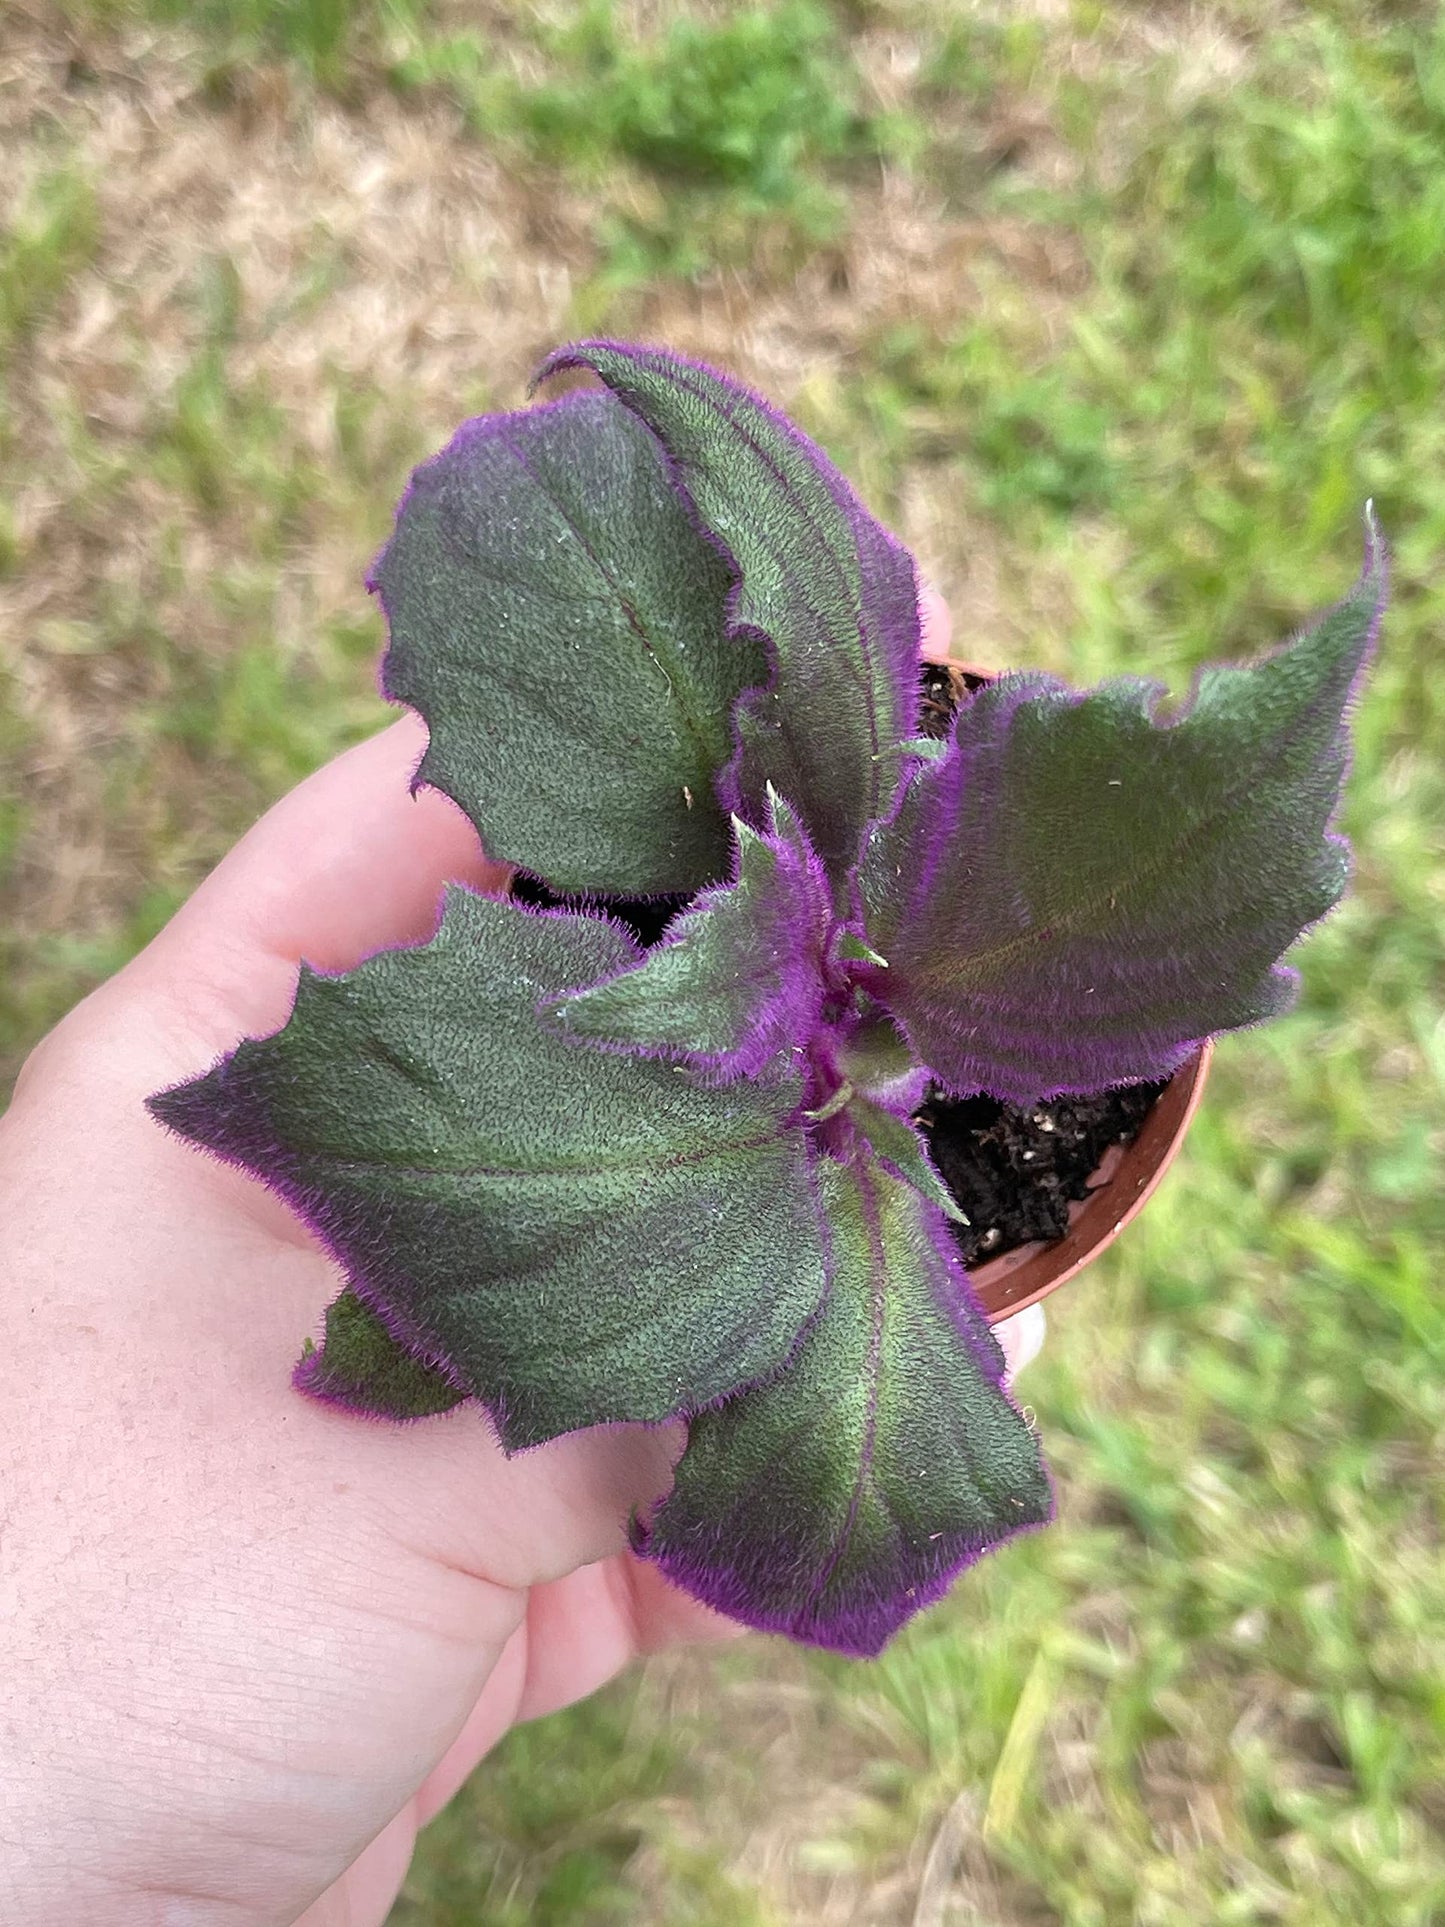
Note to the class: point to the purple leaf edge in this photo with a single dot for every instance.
(864, 1632)
(1021, 684)
(264, 1162)
(728, 783)
(715, 1069)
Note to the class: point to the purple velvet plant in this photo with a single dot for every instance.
(663, 652)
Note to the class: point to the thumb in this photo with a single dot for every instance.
(350, 862)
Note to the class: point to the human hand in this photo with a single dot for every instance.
(251, 1644)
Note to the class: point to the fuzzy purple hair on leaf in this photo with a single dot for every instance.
(834, 595)
(835, 1502)
(739, 976)
(1078, 893)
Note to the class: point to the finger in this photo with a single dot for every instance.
(346, 864)
(364, 1894)
(585, 1626)
(936, 619)
(496, 1711)
(581, 1630)
(664, 1615)
(1021, 1337)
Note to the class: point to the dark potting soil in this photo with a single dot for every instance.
(938, 697)
(1013, 1170)
(645, 917)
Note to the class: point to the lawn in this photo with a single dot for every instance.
(1118, 313)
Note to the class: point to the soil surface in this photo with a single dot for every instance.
(940, 690)
(1013, 1171)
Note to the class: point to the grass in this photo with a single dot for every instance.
(1119, 322)
(699, 142)
(325, 39)
(51, 233)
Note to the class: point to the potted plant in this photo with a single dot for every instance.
(648, 1140)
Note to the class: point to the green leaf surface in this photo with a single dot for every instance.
(902, 1149)
(576, 1237)
(558, 621)
(835, 1502)
(833, 592)
(360, 1365)
(875, 1058)
(1086, 886)
(739, 975)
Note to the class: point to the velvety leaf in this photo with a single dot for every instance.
(559, 622)
(834, 1502)
(834, 594)
(902, 1149)
(737, 978)
(876, 1061)
(575, 1237)
(923, 749)
(851, 948)
(361, 1366)
(1083, 888)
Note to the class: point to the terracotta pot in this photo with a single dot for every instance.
(1119, 1188)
